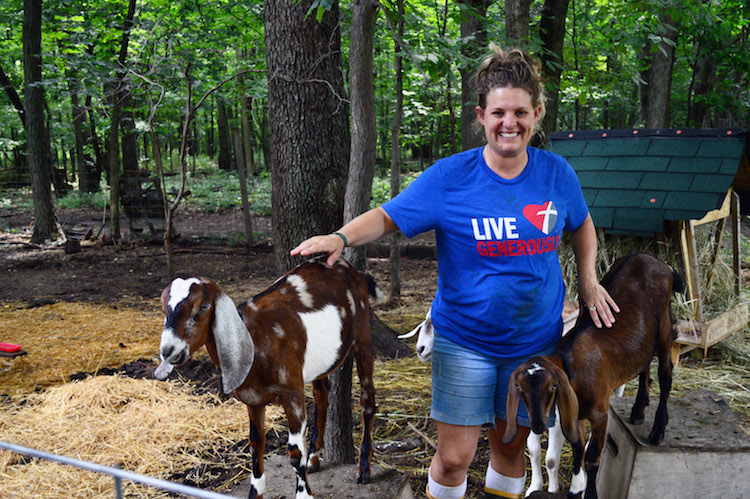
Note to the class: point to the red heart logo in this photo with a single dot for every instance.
(542, 216)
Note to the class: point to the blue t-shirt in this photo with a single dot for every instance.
(500, 287)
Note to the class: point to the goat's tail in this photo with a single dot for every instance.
(678, 283)
(375, 292)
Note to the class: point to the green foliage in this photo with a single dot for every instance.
(381, 188)
(16, 199)
(606, 52)
(78, 199)
(220, 190)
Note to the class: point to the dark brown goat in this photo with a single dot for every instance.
(297, 331)
(590, 362)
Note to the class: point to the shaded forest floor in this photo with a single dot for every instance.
(128, 279)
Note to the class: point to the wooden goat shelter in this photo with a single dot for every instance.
(663, 183)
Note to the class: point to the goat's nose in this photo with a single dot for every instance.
(420, 350)
(166, 352)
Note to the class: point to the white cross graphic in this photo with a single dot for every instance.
(549, 210)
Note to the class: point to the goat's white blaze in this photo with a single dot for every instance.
(179, 290)
(299, 284)
(535, 368)
(323, 340)
(259, 483)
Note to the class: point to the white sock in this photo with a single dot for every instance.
(510, 487)
(437, 491)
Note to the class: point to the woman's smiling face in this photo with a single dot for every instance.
(509, 120)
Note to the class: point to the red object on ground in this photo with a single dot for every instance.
(9, 347)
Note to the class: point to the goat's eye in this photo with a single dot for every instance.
(201, 310)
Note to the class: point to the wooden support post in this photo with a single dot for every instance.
(736, 239)
(718, 233)
(690, 260)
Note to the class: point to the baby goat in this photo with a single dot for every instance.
(590, 362)
(297, 331)
(425, 340)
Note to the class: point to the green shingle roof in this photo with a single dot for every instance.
(634, 180)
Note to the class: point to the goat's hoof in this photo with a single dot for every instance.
(362, 477)
(363, 471)
(636, 419)
(575, 495)
(313, 465)
(655, 437)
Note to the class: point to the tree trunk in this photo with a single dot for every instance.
(309, 132)
(99, 156)
(659, 89)
(241, 167)
(113, 156)
(245, 121)
(517, 20)
(119, 95)
(339, 443)
(472, 25)
(363, 126)
(12, 95)
(37, 138)
(552, 34)
(86, 181)
(225, 148)
(395, 245)
(704, 76)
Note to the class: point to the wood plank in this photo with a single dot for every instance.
(690, 260)
(736, 236)
(688, 332)
(724, 325)
(722, 212)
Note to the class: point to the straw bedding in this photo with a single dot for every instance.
(146, 426)
(68, 337)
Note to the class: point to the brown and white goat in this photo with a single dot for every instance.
(590, 362)
(297, 331)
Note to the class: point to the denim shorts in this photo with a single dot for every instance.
(470, 388)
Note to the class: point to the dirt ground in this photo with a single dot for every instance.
(135, 271)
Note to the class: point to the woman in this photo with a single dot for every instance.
(498, 212)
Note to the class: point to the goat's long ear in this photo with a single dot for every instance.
(234, 345)
(412, 332)
(567, 404)
(511, 410)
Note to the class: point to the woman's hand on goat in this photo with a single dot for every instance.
(600, 305)
(364, 229)
(332, 244)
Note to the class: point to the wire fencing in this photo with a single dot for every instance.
(116, 473)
